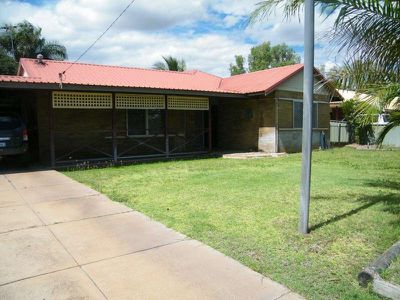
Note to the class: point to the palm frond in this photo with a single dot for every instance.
(160, 66)
(53, 50)
(359, 74)
(265, 8)
(368, 28)
(171, 64)
(371, 29)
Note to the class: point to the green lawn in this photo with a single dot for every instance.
(248, 209)
(392, 274)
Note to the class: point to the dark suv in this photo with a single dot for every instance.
(13, 135)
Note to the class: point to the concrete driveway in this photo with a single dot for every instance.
(62, 240)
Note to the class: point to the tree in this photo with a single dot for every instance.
(359, 132)
(8, 65)
(25, 40)
(170, 64)
(265, 56)
(238, 67)
(369, 32)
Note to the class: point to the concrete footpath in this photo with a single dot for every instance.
(62, 240)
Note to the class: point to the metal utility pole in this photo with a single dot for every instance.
(308, 93)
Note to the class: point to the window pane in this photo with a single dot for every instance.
(156, 121)
(136, 121)
(298, 114)
(315, 115)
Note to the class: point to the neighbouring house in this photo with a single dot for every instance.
(99, 112)
(340, 134)
(346, 95)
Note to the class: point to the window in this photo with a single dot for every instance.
(298, 115)
(145, 122)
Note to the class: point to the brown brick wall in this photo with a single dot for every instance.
(324, 115)
(285, 114)
(285, 118)
(240, 119)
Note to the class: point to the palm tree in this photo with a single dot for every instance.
(369, 32)
(170, 64)
(25, 40)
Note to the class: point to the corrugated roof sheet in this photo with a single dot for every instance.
(260, 81)
(113, 76)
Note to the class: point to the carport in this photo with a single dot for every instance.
(23, 104)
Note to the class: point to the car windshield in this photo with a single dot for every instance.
(9, 122)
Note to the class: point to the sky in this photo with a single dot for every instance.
(206, 33)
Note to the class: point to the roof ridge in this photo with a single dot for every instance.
(213, 75)
(188, 72)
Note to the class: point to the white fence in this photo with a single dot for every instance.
(339, 133)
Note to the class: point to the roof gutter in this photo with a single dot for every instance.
(91, 88)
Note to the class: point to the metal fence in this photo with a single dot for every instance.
(339, 133)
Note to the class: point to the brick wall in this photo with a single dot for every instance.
(239, 121)
(285, 114)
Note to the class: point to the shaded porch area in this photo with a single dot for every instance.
(87, 127)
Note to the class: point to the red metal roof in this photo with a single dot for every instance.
(31, 71)
(260, 81)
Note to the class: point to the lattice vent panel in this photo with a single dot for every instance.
(187, 103)
(82, 100)
(139, 101)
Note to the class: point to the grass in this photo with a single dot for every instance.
(248, 209)
(392, 274)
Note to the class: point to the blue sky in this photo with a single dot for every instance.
(206, 33)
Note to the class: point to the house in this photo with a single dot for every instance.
(347, 95)
(82, 112)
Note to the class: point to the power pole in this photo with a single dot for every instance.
(308, 93)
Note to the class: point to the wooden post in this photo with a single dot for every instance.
(114, 131)
(166, 126)
(51, 132)
(209, 126)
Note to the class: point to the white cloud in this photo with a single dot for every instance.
(150, 29)
(231, 20)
